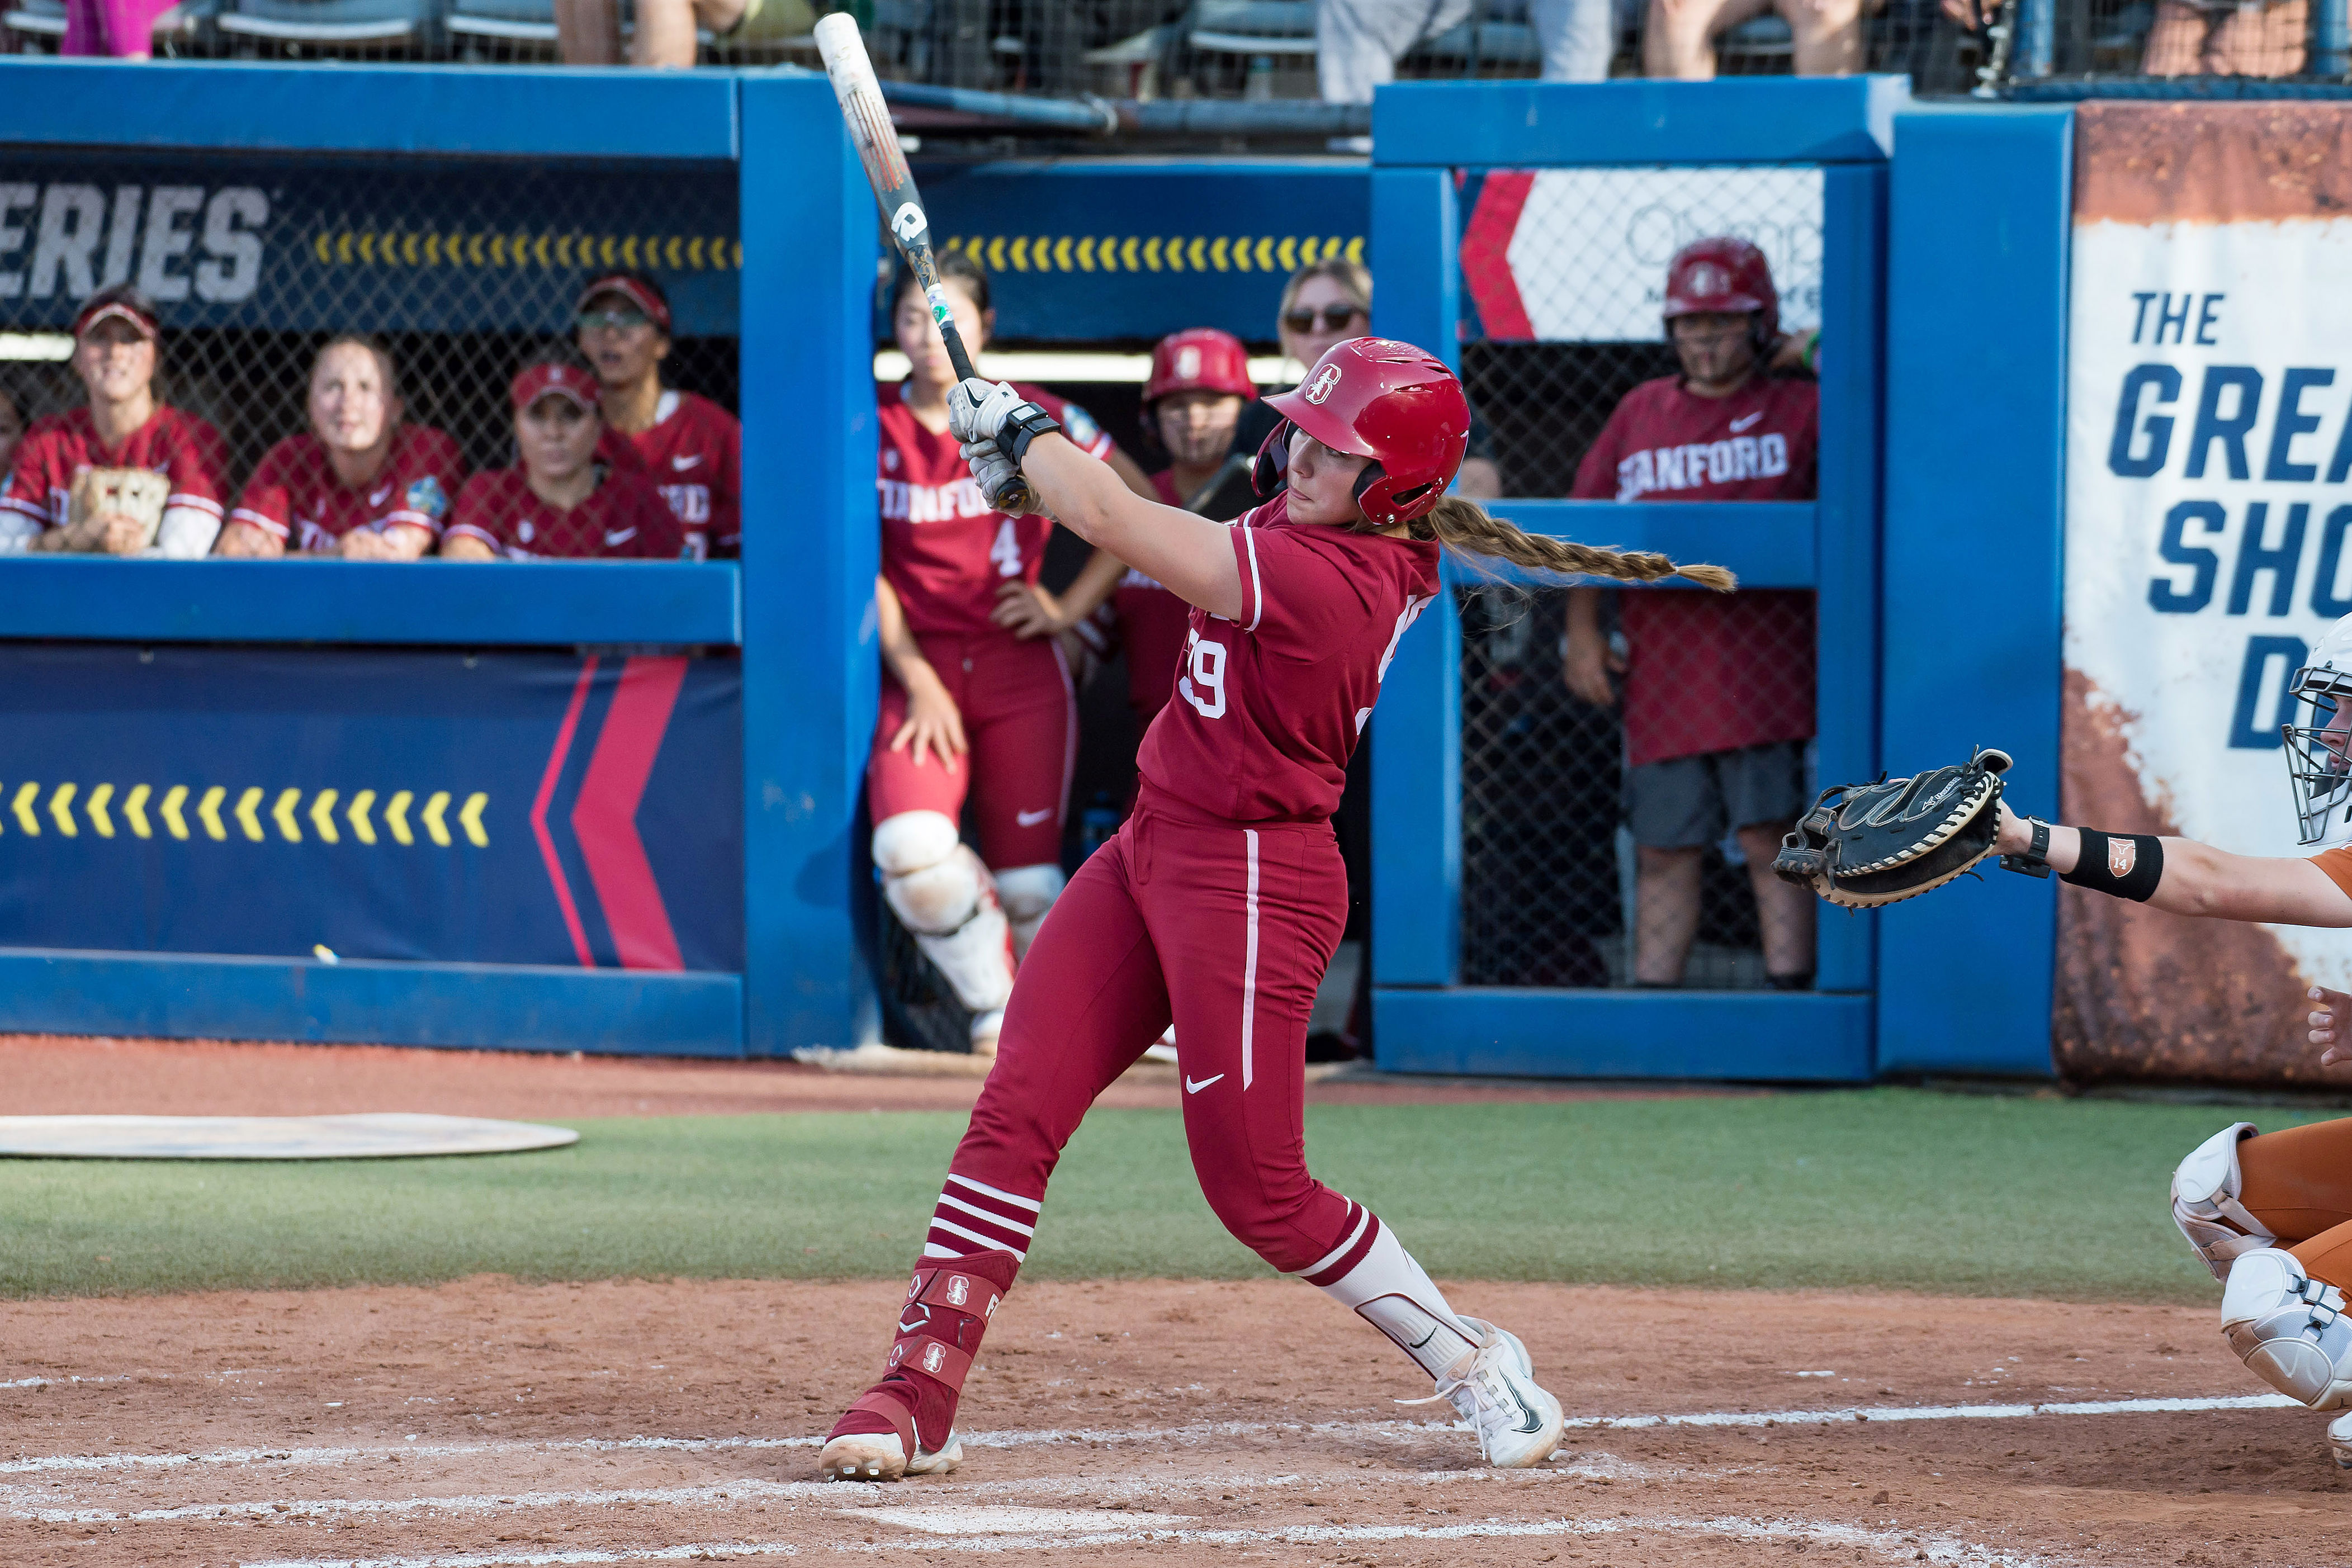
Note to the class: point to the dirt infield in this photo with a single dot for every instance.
(43, 1075)
(486, 1423)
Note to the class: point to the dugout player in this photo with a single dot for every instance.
(1718, 693)
(116, 343)
(969, 707)
(561, 503)
(2271, 1214)
(1192, 402)
(12, 428)
(691, 448)
(1221, 900)
(361, 484)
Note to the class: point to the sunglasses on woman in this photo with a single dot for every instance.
(1336, 318)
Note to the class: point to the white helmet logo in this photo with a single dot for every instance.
(1326, 381)
(907, 222)
(1708, 279)
(1188, 363)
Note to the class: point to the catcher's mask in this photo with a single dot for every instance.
(2318, 737)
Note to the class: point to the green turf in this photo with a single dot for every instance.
(1887, 1188)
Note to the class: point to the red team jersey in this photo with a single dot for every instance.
(183, 448)
(1709, 673)
(623, 518)
(944, 549)
(1152, 623)
(694, 456)
(1268, 707)
(294, 493)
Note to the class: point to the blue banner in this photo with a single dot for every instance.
(359, 244)
(505, 808)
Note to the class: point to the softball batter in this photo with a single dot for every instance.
(1219, 903)
(966, 704)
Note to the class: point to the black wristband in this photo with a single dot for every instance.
(1022, 425)
(2127, 865)
(2035, 860)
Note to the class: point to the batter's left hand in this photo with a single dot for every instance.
(976, 408)
(1027, 611)
(2331, 1020)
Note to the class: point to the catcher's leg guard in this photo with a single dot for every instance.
(1027, 892)
(943, 896)
(2288, 1328)
(2205, 1202)
(904, 1425)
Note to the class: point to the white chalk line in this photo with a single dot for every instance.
(833, 1494)
(1944, 1551)
(1195, 1432)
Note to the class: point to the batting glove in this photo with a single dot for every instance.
(977, 408)
(998, 477)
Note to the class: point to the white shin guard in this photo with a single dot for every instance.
(1390, 1290)
(2205, 1202)
(2289, 1329)
(1027, 892)
(944, 897)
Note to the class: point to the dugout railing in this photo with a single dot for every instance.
(236, 712)
(1430, 142)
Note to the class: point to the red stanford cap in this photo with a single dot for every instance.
(1199, 359)
(535, 381)
(104, 309)
(631, 289)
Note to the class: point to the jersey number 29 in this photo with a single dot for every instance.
(1203, 684)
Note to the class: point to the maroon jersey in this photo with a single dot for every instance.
(623, 518)
(1269, 707)
(1705, 672)
(1152, 624)
(694, 456)
(183, 448)
(294, 493)
(944, 549)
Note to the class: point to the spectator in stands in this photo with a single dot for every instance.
(2198, 38)
(561, 503)
(588, 32)
(12, 428)
(116, 339)
(1577, 37)
(690, 448)
(1328, 302)
(1718, 693)
(122, 28)
(1678, 36)
(361, 482)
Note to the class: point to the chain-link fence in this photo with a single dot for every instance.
(1063, 49)
(1625, 843)
(462, 269)
(2176, 38)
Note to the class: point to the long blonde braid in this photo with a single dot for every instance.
(1468, 528)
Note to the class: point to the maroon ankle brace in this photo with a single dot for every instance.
(947, 1307)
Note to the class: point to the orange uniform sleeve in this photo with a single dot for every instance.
(2338, 863)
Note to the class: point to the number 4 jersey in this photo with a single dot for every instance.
(1268, 707)
(944, 549)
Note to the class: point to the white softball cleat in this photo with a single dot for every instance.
(880, 1456)
(2339, 1441)
(2289, 1328)
(1494, 1388)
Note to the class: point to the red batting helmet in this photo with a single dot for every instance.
(1199, 359)
(1387, 400)
(1724, 275)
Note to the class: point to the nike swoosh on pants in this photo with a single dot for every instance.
(1193, 1087)
(1031, 819)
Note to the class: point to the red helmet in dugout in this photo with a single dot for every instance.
(1199, 359)
(1387, 400)
(1723, 276)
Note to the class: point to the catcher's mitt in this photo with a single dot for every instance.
(1863, 845)
(135, 493)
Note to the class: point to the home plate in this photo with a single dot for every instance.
(376, 1135)
(952, 1519)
